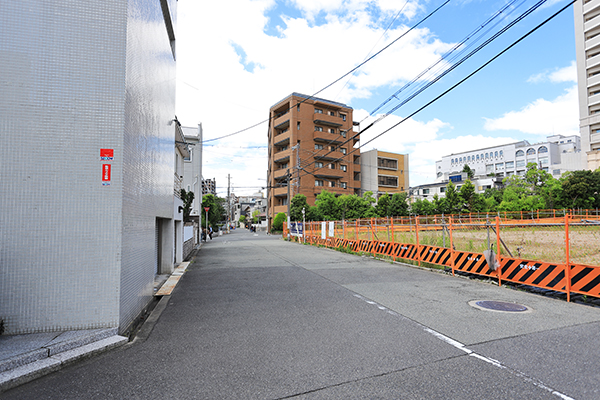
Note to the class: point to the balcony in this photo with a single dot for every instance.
(329, 138)
(326, 155)
(327, 120)
(329, 173)
(282, 138)
(282, 155)
(592, 61)
(177, 186)
(280, 192)
(280, 173)
(282, 122)
(280, 209)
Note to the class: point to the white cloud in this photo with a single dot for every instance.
(425, 142)
(558, 75)
(216, 89)
(542, 117)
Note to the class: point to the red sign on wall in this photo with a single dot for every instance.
(106, 154)
(105, 174)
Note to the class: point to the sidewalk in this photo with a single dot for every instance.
(24, 358)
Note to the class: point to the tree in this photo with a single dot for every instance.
(216, 211)
(536, 178)
(399, 205)
(298, 203)
(470, 173)
(471, 200)
(382, 209)
(187, 198)
(278, 222)
(581, 189)
(255, 214)
(422, 207)
(328, 206)
(453, 201)
(242, 219)
(352, 206)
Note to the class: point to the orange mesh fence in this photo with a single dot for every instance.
(537, 248)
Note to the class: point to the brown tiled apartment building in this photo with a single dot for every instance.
(313, 140)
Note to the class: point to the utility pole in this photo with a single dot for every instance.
(228, 201)
(288, 200)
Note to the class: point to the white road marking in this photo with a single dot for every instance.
(471, 353)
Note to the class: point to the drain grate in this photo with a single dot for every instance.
(501, 306)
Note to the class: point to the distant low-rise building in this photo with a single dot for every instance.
(383, 172)
(490, 165)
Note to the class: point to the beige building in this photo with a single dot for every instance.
(384, 172)
(313, 140)
(587, 44)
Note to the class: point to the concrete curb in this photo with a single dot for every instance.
(33, 370)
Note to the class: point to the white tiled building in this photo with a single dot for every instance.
(587, 45)
(87, 148)
(556, 155)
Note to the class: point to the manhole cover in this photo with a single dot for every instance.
(498, 306)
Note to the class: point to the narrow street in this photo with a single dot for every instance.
(256, 317)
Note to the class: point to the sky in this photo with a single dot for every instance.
(237, 58)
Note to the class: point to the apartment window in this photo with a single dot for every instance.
(343, 116)
(496, 154)
(331, 184)
(331, 130)
(318, 147)
(319, 128)
(387, 163)
(520, 153)
(487, 155)
(388, 181)
(510, 164)
(318, 165)
(443, 189)
(344, 185)
(477, 156)
(425, 191)
(542, 149)
(543, 160)
(332, 166)
(343, 150)
(556, 172)
(282, 166)
(520, 163)
(500, 167)
(298, 107)
(344, 168)
(343, 133)
(489, 169)
(501, 153)
(318, 182)
(530, 152)
(331, 148)
(298, 125)
(332, 113)
(318, 111)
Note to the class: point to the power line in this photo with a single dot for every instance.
(340, 78)
(487, 42)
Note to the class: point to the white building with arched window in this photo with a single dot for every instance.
(557, 155)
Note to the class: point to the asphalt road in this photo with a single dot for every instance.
(256, 317)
